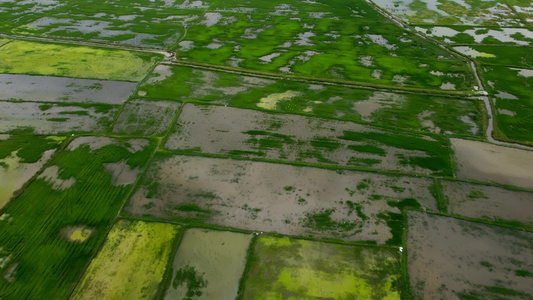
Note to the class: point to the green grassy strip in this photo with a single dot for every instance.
(442, 203)
(249, 260)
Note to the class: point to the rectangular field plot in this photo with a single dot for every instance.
(208, 265)
(60, 89)
(22, 155)
(407, 111)
(487, 162)
(131, 263)
(249, 133)
(75, 61)
(50, 232)
(303, 201)
(455, 259)
(284, 268)
(145, 118)
(55, 118)
(488, 202)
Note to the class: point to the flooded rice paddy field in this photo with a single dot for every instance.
(300, 269)
(485, 162)
(54, 118)
(61, 89)
(249, 133)
(488, 202)
(459, 12)
(131, 248)
(408, 111)
(449, 258)
(77, 189)
(208, 264)
(308, 38)
(21, 157)
(75, 61)
(145, 118)
(351, 206)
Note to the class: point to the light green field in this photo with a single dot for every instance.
(284, 268)
(74, 61)
(131, 264)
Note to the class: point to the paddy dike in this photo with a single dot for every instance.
(301, 201)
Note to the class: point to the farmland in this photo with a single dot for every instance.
(327, 149)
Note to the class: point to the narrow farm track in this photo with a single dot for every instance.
(481, 87)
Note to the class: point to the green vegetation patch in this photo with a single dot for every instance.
(511, 90)
(99, 172)
(74, 61)
(283, 267)
(131, 263)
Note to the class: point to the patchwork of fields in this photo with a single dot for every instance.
(266, 150)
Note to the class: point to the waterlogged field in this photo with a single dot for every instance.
(511, 89)
(513, 56)
(407, 111)
(489, 203)
(156, 24)
(145, 118)
(55, 118)
(455, 259)
(74, 61)
(485, 162)
(208, 265)
(22, 154)
(60, 89)
(303, 201)
(458, 12)
(479, 35)
(283, 268)
(335, 39)
(131, 263)
(50, 232)
(249, 133)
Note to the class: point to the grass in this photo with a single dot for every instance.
(131, 263)
(29, 147)
(309, 269)
(74, 61)
(438, 150)
(47, 265)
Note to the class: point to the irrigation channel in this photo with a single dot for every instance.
(171, 58)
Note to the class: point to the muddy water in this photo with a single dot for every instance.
(224, 130)
(448, 257)
(218, 258)
(13, 174)
(146, 118)
(488, 202)
(62, 89)
(53, 119)
(50, 175)
(275, 197)
(97, 142)
(491, 163)
(122, 173)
